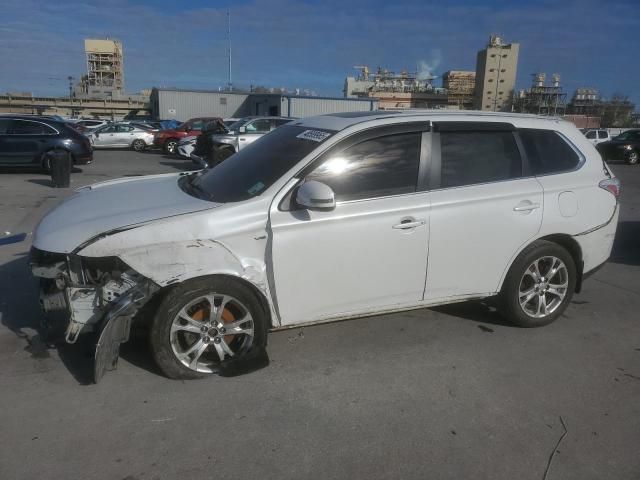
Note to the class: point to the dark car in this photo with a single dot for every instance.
(625, 146)
(26, 140)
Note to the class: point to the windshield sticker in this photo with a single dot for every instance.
(257, 188)
(313, 135)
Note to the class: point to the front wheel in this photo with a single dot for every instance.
(632, 157)
(170, 147)
(539, 285)
(203, 323)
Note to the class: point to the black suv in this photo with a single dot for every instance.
(25, 141)
(625, 146)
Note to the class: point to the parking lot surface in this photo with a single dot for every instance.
(448, 392)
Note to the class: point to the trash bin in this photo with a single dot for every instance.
(60, 161)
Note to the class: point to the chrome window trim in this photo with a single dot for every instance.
(34, 121)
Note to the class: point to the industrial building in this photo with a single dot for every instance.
(460, 86)
(542, 99)
(496, 69)
(105, 70)
(170, 103)
(396, 90)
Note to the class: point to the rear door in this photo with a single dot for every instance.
(484, 207)
(5, 156)
(26, 141)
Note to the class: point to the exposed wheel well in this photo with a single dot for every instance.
(145, 314)
(573, 247)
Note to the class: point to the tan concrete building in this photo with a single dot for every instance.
(496, 70)
(105, 70)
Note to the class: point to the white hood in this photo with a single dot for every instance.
(111, 205)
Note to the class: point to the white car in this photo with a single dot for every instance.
(123, 135)
(597, 136)
(186, 146)
(327, 218)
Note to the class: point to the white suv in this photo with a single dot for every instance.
(327, 218)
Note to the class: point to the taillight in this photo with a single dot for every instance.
(611, 185)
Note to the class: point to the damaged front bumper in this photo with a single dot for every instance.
(100, 296)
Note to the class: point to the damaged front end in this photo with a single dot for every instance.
(100, 296)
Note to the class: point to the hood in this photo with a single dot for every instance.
(111, 205)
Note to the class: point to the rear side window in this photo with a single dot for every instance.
(469, 158)
(591, 135)
(548, 152)
(27, 127)
(374, 168)
(603, 134)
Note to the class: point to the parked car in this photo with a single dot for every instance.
(186, 146)
(147, 125)
(328, 218)
(168, 139)
(121, 135)
(248, 130)
(26, 140)
(596, 136)
(625, 146)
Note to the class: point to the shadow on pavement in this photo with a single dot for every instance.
(477, 311)
(626, 246)
(184, 165)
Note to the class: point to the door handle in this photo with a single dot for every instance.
(408, 224)
(243, 139)
(526, 207)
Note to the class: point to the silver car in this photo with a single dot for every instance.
(248, 130)
(121, 135)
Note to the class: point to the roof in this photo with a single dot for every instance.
(275, 94)
(340, 121)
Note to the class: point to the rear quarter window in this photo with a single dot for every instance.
(548, 152)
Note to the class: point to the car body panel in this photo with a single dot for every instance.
(112, 205)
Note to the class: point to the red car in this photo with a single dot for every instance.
(168, 139)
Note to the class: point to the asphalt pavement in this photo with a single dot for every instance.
(449, 392)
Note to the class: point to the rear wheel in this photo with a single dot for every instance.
(170, 146)
(203, 323)
(138, 145)
(539, 285)
(632, 157)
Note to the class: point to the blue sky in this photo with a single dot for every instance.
(314, 44)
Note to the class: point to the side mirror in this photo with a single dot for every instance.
(242, 130)
(314, 195)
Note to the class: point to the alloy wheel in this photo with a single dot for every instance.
(543, 286)
(210, 329)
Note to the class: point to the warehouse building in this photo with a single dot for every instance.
(169, 103)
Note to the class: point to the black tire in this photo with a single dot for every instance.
(182, 295)
(138, 145)
(170, 146)
(632, 157)
(509, 299)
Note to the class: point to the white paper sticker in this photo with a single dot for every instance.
(313, 135)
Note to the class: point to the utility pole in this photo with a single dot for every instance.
(230, 85)
(71, 79)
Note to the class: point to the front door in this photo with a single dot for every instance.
(105, 136)
(370, 252)
(484, 209)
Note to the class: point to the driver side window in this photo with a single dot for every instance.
(258, 126)
(378, 167)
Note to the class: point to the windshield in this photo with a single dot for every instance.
(629, 135)
(251, 171)
(236, 125)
